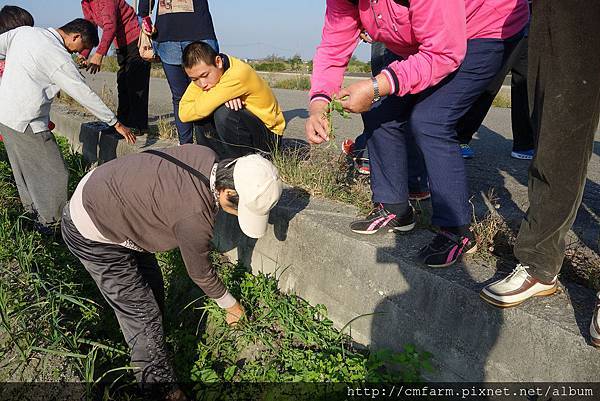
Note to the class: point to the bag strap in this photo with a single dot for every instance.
(181, 164)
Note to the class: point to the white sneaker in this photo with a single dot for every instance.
(595, 325)
(517, 287)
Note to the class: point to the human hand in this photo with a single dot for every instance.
(81, 61)
(94, 64)
(235, 104)
(317, 127)
(125, 132)
(234, 314)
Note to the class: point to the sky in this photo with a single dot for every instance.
(244, 28)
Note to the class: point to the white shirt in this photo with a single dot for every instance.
(38, 65)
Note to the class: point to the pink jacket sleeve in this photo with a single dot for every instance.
(109, 10)
(87, 14)
(439, 26)
(338, 41)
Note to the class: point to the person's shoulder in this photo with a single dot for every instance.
(237, 64)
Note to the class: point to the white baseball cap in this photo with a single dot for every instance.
(259, 188)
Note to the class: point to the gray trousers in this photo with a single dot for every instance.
(132, 284)
(39, 170)
(564, 88)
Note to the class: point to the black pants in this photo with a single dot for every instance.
(521, 121)
(132, 284)
(564, 83)
(133, 84)
(237, 133)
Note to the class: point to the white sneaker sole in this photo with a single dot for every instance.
(489, 298)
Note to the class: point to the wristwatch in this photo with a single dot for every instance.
(376, 95)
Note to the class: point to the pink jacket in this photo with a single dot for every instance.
(116, 18)
(431, 36)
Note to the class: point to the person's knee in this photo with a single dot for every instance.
(222, 116)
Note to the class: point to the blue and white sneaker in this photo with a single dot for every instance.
(466, 151)
(522, 154)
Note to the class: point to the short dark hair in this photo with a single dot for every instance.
(196, 52)
(87, 30)
(12, 17)
(224, 179)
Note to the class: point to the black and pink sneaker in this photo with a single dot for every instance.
(446, 248)
(380, 219)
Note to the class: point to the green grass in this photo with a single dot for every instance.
(324, 173)
(502, 100)
(51, 310)
(301, 83)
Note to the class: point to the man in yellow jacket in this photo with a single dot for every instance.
(245, 112)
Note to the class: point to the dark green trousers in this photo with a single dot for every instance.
(564, 88)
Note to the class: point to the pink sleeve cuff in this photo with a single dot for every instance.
(393, 87)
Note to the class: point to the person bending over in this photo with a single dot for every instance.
(129, 208)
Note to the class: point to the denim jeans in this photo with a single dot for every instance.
(171, 55)
(430, 119)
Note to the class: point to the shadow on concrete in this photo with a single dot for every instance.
(428, 306)
(583, 301)
(493, 167)
(155, 118)
(228, 235)
(289, 115)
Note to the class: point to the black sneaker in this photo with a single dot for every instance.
(380, 218)
(446, 248)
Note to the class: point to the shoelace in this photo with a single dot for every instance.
(444, 236)
(376, 210)
(519, 269)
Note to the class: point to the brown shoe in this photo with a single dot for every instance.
(595, 325)
(516, 288)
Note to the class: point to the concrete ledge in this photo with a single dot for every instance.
(95, 140)
(311, 250)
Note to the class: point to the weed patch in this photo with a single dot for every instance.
(285, 339)
(321, 172)
(51, 310)
(301, 83)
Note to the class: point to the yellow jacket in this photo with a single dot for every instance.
(239, 80)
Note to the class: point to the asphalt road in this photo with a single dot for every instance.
(492, 166)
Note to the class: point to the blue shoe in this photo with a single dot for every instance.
(466, 151)
(522, 154)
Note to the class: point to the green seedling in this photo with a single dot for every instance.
(335, 105)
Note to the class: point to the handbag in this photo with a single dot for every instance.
(145, 41)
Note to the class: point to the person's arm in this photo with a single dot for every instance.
(439, 26)
(197, 104)
(109, 15)
(5, 40)
(68, 78)
(193, 235)
(88, 15)
(339, 39)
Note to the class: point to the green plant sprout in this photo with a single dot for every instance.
(335, 105)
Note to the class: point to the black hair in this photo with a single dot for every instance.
(196, 52)
(12, 17)
(224, 179)
(87, 30)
